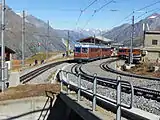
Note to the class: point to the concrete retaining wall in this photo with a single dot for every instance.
(14, 79)
(22, 109)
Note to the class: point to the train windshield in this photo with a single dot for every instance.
(84, 50)
(77, 49)
(122, 50)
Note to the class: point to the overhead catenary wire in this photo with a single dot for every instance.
(157, 9)
(133, 12)
(143, 14)
(124, 19)
(82, 11)
(153, 10)
(152, 4)
(96, 11)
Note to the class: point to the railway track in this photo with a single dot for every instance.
(112, 83)
(137, 112)
(107, 68)
(29, 76)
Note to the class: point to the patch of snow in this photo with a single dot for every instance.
(20, 14)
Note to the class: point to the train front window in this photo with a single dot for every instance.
(84, 50)
(77, 49)
(121, 50)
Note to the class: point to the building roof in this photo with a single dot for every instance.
(152, 32)
(8, 49)
(104, 39)
(98, 39)
(153, 49)
(117, 44)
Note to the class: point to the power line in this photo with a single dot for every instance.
(153, 10)
(82, 11)
(143, 14)
(89, 19)
(79, 17)
(149, 5)
(152, 4)
(135, 19)
(128, 16)
(96, 11)
(112, 1)
(89, 5)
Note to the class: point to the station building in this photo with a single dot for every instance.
(8, 55)
(151, 46)
(96, 40)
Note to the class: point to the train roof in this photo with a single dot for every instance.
(128, 48)
(91, 46)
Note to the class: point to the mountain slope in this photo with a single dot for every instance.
(56, 33)
(122, 33)
(35, 33)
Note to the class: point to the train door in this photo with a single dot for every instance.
(77, 52)
(85, 52)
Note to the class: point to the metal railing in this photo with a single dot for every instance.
(65, 80)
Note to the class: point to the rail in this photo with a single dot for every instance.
(78, 87)
(105, 66)
(34, 73)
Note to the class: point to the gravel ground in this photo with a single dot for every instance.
(89, 68)
(148, 105)
(43, 78)
(137, 81)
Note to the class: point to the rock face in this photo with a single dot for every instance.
(122, 33)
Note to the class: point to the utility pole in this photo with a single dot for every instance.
(67, 45)
(94, 39)
(47, 40)
(144, 31)
(132, 37)
(23, 39)
(2, 45)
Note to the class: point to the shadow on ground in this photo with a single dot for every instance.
(52, 110)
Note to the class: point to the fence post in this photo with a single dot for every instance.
(6, 75)
(68, 91)
(79, 87)
(118, 115)
(94, 92)
(61, 76)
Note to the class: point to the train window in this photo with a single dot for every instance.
(84, 50)
(78, 49)
(121, 50)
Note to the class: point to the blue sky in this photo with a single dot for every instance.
(63, 14)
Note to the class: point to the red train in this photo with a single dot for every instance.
(85, 52)
(124, 53)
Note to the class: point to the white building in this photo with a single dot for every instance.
(152, 45)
